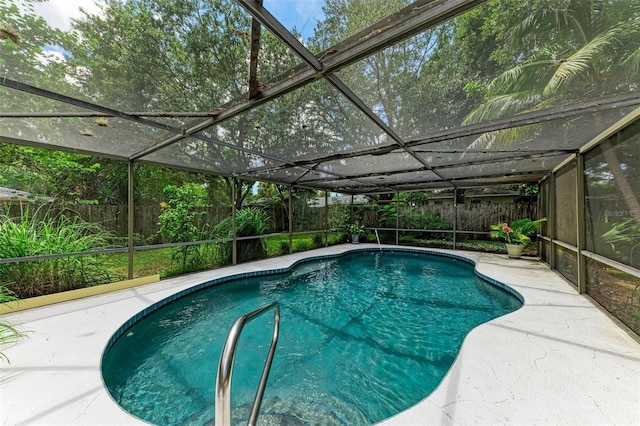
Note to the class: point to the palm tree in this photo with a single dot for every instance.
(577, 49)
(591, 48)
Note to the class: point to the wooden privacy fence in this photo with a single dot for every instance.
(471, 217)
(480, 217)
(477, 217)
(115, 218)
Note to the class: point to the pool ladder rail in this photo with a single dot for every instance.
(225, 367)
(378, 239)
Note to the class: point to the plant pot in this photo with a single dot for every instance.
(355, 238)
(514, 250)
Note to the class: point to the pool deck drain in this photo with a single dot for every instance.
(557, 360)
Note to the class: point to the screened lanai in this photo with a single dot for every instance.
(353, 97)
(156, 130)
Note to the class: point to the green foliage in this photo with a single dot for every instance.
(180, 221)
(57, 174)
(356, 229)
(517, 232)
(188, 56)
(8, 333)
(205, 259)
(623, 238)
(250, 221)
(475, 90)
(387, 216)
(318, 241)
(302, 245)
(591, 47)
(412, 218)
(433, 220)
(82, 179)
(284, 247)
(43, 234)
(528, 190)
(339, 217)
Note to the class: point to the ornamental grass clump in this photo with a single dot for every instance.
(8, 333)
(518, 232)
(250, 221)
(43, 234)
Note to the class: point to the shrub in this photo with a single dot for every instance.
(387, 216)
(250, 221)
(518, 232)
(339, 220)
(301, 245)
(8, 333)
(284, 247)
(181, 222)
(30, 236)
(411, 218)
(318, 241)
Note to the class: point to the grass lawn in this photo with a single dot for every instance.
(159, 261)
(145, 263)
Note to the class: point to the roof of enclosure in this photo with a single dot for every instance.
(376, 99)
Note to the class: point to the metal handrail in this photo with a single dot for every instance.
(225, 368)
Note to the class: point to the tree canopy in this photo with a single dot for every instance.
(175, 64)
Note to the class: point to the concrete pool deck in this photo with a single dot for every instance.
(557, 360)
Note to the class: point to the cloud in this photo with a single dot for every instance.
(58, 13)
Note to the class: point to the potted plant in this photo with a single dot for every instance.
(356, 229)
(516, 235)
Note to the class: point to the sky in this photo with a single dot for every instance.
(301, 14)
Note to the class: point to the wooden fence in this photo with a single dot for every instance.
(471, 217)
(115, 218)
(480, 217)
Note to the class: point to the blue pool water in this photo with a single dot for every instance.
(363, 336)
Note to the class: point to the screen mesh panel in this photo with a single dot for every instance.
(400, 96)
(612, 197)
(321, 33)
(135, 56)
(289, 175)
(109, 136)
(313, 121)
(414, 92)
(371, 164)
(566, 228)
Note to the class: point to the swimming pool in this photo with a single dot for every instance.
(363, 336)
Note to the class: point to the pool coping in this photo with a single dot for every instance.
(558, 359)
